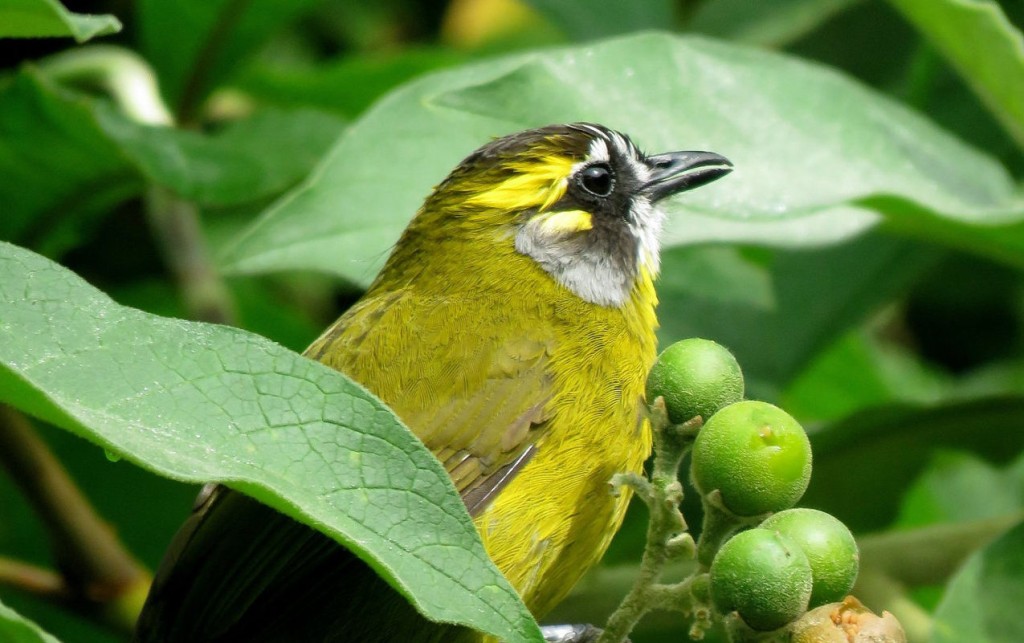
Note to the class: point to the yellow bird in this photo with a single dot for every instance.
(512, 329)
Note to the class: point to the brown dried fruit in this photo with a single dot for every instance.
(847, 622)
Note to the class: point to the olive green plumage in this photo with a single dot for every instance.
(511, 329)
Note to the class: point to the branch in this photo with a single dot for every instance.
(34, 580)
(195, 82)
(178, 232)
(667, 537)
(95, 568)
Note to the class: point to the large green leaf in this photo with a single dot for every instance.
(42, 18)
(201, 402)
(983, 45)
(16, 629)
(195, 44)
(814, 152)
(982, 602)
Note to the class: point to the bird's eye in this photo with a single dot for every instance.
(597, 179)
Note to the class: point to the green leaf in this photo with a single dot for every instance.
(863, 464)
(859, 371)
(816, 155)
(346, 86)
(763, 23)
(582, 20)
(960, 487)
(196, 44)
(16, 629)
(982, 602)
(67, 159)
(60, 170)
(983, 45)
(248, 161)
(44, 18)
(201, 402)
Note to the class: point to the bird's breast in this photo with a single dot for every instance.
(558, 515)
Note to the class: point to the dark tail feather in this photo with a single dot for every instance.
(240, 571)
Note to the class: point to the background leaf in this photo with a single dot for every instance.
(346, 86)
(763, 23)
(861, 462)
(960, 487)
(250, 160)
(776, 312)
(42, 18)
(17, 629)
(582, 20)
(982, 603)
(60, 170)
(982, 44)
(200, 402)
(69, 158)
(195, 44)
(805, 142)
(858, 371)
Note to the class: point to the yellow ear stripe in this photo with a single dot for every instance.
(565, 222)
(537, 184)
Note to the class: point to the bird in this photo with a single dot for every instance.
(511, 328)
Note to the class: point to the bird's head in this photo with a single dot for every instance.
(580, 199)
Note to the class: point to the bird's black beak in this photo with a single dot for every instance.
(680, 171)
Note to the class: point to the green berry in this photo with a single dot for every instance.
(828, 545)
(763, 576)
(696, 377)
(756, 455)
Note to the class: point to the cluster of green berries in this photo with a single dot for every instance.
(752, 460)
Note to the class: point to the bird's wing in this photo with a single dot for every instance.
(485, 436)
(480, 401)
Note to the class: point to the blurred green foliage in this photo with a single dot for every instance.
(863, 262)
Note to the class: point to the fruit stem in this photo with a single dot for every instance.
(718, 526)
(667, 536)
(738, 632)
(177, 229)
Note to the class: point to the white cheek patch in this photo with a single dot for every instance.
(588, 272)
(645, 224)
